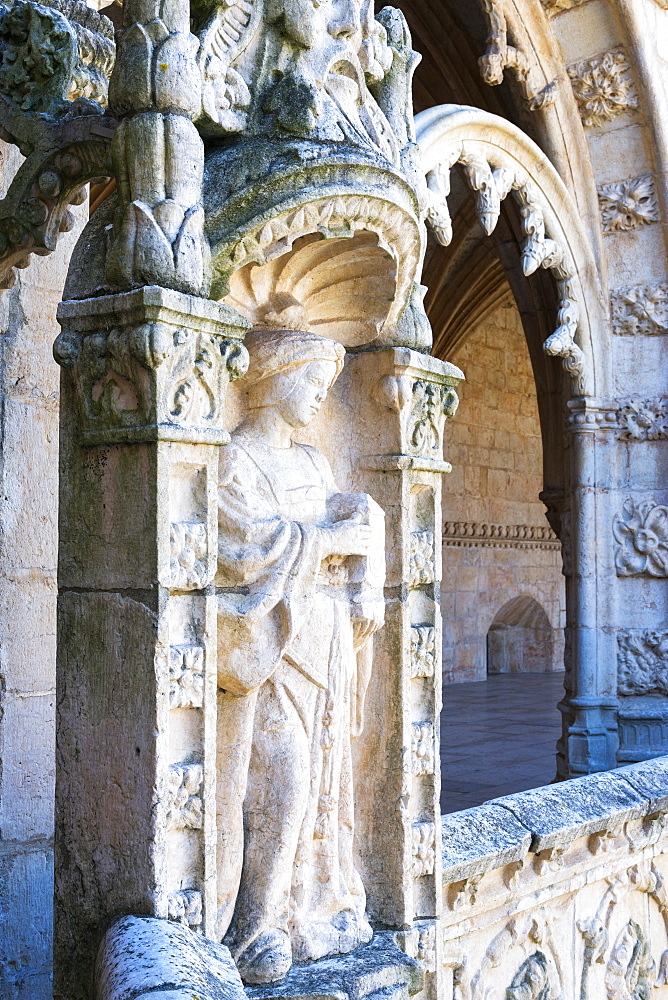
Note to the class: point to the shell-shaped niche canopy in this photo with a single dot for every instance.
(341, 288)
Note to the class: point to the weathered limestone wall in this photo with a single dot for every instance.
(560, 891)
(29, 381)
(497, 545)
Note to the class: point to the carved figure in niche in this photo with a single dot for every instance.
(300, 576)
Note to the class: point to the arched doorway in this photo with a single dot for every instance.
(520, 639)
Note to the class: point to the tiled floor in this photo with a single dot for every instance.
(498, 736)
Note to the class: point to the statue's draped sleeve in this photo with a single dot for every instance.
(268, 568)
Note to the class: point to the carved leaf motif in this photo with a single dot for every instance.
(641, 309)
(422, 559)
(423, 651)
(422, 748)
(628, 204)
(183, 797)
(424, 849)
(642, 662)
(641, 533)
(644, 420)
(186, 676)
(557, 6)
(188, 556)
(603, 87)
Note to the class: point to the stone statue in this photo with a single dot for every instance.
(300, 576)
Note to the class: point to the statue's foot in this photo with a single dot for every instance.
(342, 934)
(267, 960)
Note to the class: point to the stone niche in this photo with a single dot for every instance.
(249, 660)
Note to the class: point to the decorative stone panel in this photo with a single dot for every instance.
(183, 797)
(641, 533)
(423, 650)
(628, 204)
(424, 849)
(644, 420)
(186, 676)
(603, 87)
(642, 662)
(188, 559)
(640, 309)
(422, 748)
(422, 559)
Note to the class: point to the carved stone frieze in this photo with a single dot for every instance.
(630, 969)
(603, 87)
(644, 420)
(424, 849)
(189, 552)
(628, 204)
(422, 748)
(183, 797)
(186, 676)
(471, 534)
(641, 534)
(423, 651)
(641, 309)
(185, 907)
(642, 662)
(531, 981)
(422, 559)
(160, 370)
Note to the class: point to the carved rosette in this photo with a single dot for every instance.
(603, 87)
(641, 533)
(640, 310)
(159, 372)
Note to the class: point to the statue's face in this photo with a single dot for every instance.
(314, 23)
(307, 388)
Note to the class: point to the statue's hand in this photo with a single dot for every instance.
(363, 629)
(350, 538)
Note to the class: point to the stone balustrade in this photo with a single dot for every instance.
(560, 891)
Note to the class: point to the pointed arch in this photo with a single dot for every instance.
(498, 159)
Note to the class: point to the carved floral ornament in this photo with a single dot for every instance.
(640, 310)
(466, 136)
(641, 534)
(603, 87)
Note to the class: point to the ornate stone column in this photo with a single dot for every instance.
(403, 415)
(142, 393)
(590, 717)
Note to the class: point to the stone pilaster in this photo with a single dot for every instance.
(403, 416)
(590, 710)
(143, 382)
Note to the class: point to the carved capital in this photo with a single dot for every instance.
(151, 364)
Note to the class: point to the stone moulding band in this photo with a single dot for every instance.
(458, 534)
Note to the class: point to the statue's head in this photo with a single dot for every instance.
(292, 372)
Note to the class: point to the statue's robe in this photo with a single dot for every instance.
(289, 707)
